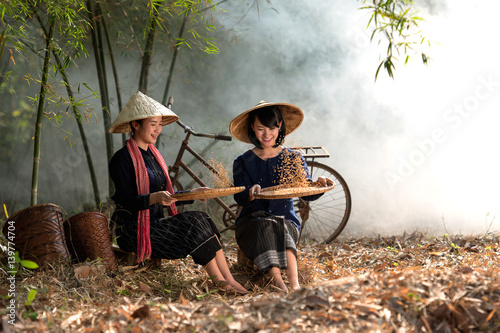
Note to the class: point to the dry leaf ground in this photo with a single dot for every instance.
(406, 283)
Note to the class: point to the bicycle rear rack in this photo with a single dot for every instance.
(312, 151)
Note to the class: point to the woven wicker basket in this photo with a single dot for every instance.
(39, 233)
(88, 237)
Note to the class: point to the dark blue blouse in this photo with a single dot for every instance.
(249, 169)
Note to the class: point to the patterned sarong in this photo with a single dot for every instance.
(264, 238)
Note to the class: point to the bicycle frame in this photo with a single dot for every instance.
(179, 163)
(310, 153)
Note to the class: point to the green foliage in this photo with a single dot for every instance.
(29, 312)
(206, 294)
(31, 297)
(129, 26)
(29, 264)
(24, 263)
(394, 21)
(18, 18)
(25, 27)
(198, 22)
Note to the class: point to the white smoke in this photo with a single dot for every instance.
(418, 152)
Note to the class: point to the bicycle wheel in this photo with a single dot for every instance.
(324, 219)
(228, 218)
(178, 188)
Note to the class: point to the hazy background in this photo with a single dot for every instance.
(419, 152)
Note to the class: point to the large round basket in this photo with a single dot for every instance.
(281, 192)
(38, 233)
(208, 193)
(88, 237)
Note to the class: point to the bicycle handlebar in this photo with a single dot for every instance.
(192, 132)
(205, 135)
(223, 137)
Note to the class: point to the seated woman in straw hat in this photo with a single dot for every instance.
(142, 190)
(267, 230)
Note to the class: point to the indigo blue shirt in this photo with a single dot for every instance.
(249, 169)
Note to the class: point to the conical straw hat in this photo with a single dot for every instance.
(292, 115)
(141, 106)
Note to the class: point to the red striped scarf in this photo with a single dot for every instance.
(141, 175)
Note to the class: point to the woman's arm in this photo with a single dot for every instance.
(163, 198)
(241, 178)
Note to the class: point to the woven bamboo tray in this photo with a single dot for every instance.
(281, 192)
(208, 194)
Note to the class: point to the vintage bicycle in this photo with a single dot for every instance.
(322, 220)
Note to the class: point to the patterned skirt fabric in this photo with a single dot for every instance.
(264, 238)
(188, 233)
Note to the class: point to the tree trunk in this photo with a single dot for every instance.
(39, 117)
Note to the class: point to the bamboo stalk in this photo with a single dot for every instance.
(79, 122)
(39, 117)
(148, 51)
(101, 74)
(113, 66)
(3, 41)
(104, 89)
(172, 67)
(132, 31)
(174, 58)
(82, 134)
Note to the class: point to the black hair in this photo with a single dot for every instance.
(269, 116)
(139, 121)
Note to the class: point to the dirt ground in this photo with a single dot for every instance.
(405, 283)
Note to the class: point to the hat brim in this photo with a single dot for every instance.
(141, 106)
(292, 116)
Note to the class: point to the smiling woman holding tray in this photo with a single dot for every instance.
(267, 230)
(142, 190)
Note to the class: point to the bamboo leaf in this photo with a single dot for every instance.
(29, 264)
(31, 296)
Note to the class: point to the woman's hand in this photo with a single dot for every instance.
(198, 189)
(325, 181)
(255, 189)
(163, 197)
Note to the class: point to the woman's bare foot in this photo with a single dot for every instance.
(294, 284)
(275, 274)
(237, 286)
(226, 286)
(281, 286)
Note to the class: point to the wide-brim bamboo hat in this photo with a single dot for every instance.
(292, 115)
(141, 106)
